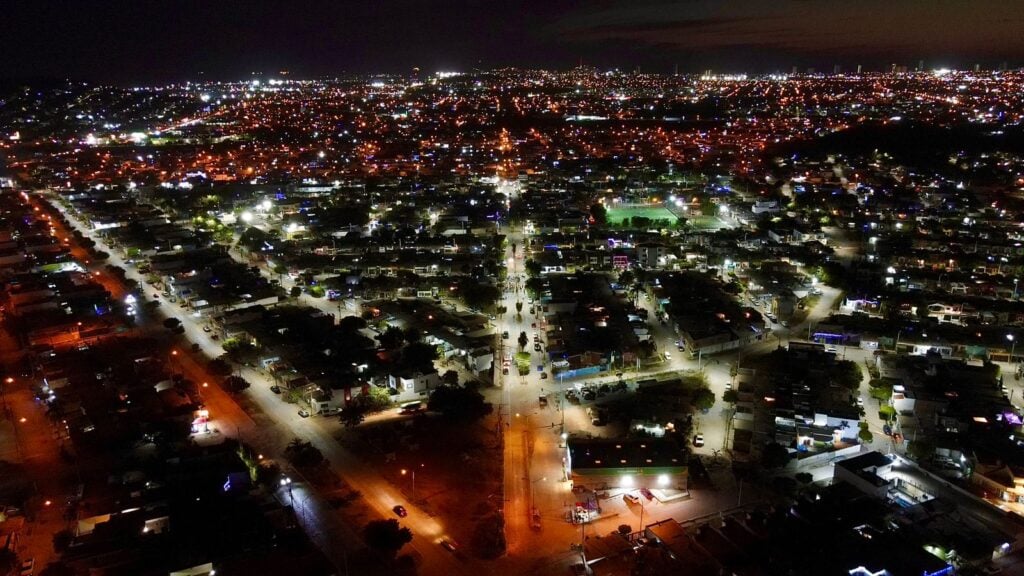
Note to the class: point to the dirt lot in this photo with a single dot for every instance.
(458, 467)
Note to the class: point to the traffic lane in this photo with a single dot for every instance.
(382, 499)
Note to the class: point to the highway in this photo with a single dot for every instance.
(321, 523)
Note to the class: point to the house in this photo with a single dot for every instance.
(411, 385)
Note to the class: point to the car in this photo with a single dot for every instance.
(536, 346)
(504, 371)
(400, 511)
(27, 567)
(830, 348)
(631, 498)
(207, 329)
(304, 413)
(785, 323)
(504, 335)
(215, 337)
(543, 375)
(860, 402)
(698, 440)
(449, 545)
(668, 355)
(647, 493)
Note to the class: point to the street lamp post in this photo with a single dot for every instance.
(411, 472)
(1013, 346)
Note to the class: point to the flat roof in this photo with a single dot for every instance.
(637, 453)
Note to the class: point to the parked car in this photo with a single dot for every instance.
(536, 346)
(698, 440)
(450, 545)
(647, 493)
(543, 375)
(207, 329)
(304, 413)
(275, 389)
(631, 498)
(400, 511)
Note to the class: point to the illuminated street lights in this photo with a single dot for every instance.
(1013, 346)
(411, 472)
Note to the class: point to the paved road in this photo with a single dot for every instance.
(378, 493)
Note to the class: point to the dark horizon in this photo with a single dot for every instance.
(128, 42)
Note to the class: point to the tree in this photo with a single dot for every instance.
(625, 529)
(523, 340)
(599, 214)
(235, 384)
(774, 455)
(450, 377)
(519, 308)
(866, 436)
(703, 399)
(847, 374)
(303, 454)
(219, 367)
(386, 536)
(392, 338)
(419, 357)
(804, 477)
(458, 403)
(172, 323)
(352, 414)
(295, 292)
(489, 536)
(731, 396)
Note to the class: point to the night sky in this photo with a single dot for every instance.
(167, 40)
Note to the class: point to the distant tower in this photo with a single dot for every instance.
(794, 71)
(811, 70)
(837, 69)
(860, 68)
(977, 67)
(676, 73)
(920, 65)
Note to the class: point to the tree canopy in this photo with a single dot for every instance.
(386, 536)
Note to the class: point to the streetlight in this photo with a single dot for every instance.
(411, 472)
(1013, 345)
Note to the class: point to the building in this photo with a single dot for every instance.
(626, 463)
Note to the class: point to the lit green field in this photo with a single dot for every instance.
(617, 215)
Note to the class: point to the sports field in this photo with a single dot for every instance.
(617, 215)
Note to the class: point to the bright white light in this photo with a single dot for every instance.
(204, 97)
(663, 480)
(266, 205)
(321, 154)
(626, 481)
(129, 300)
(246, 216)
